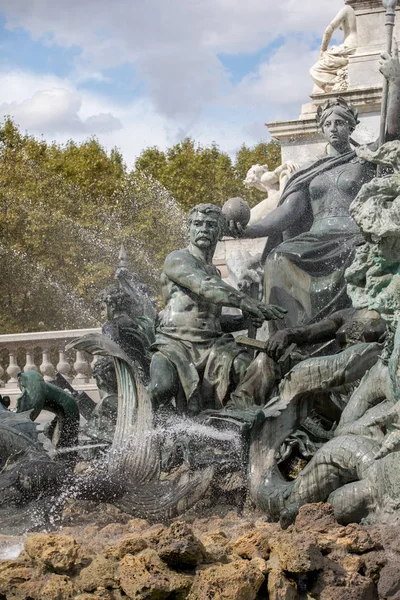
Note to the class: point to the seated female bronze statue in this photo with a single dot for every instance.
(311, 236)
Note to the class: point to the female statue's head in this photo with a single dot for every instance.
(337, 120)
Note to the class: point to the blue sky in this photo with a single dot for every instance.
(148, 73)
(19, 50)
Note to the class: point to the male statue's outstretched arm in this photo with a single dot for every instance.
(183, 268)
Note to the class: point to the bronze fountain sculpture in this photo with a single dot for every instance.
(313, 416)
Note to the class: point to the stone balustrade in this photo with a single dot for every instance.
(45, 352)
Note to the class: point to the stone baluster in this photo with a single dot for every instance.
(63, 366)
(81, 367)
(46, 368)
(49, 342)
(12, 370)
(29, 364)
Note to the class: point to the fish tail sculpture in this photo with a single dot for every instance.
(135, 454)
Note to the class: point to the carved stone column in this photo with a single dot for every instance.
(29, 364)
(12, 370)
(63, 366)
(46, 368)
(81, 367)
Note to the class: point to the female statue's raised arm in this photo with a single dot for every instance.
(277, 221)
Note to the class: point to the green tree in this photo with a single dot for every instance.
(193, 173)
(64, 211)
(263, 153)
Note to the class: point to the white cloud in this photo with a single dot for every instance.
(282, 83)
(60, 111)
(134, 27)
(56, 110)
(173, 46)
(141, 124)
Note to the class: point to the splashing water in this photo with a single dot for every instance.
(9, 552)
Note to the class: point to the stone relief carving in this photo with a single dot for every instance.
(271, 182)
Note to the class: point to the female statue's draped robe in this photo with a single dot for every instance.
(305, 273)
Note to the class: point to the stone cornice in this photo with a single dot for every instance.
(298, 128)
(39, 337)
(366, 100)
(366, 5)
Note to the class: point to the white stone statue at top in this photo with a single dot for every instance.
(330, 72)
(271, 182)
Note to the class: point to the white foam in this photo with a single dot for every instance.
(10, 552)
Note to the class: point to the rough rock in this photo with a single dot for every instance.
(280, 588)
(355, 538)
(318, 517)
(104, 596)
(95, 540)
(216, 546)
(15, 576)
(390, 535)
(261, 564)
(112, 531)
(238, 580)
(351, 563)
(319, 520)
(228, 558)
(179, 547)
(101, 573)
(389, 581)
(144, 576)
(252, 544)
(297, 552)
(153, 534)
(54, 551)
(131, 544)
(101, 595)
(58, 587)
(374, 563)
(138, 525)
(335, 583)
(358, 591)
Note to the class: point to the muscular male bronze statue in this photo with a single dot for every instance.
(197, 361)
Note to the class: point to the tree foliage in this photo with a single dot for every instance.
(194, 173)
(66, 209)
(64, 213)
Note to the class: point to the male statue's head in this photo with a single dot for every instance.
(337, 120)
(205, 226)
